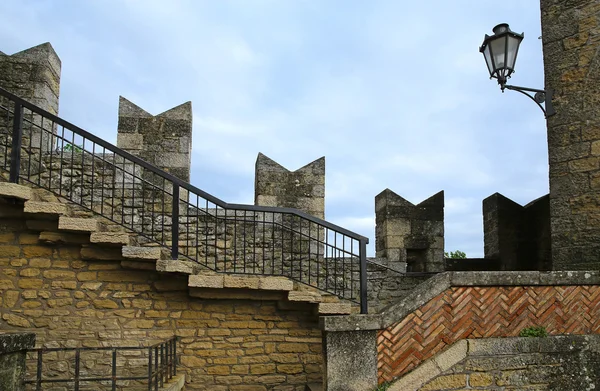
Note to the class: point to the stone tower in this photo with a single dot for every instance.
(33, 75)
(571, 40)
(302, 189)
(164, 140)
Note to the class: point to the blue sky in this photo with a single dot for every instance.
(394, 94)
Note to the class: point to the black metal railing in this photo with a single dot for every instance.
(42, 149)
(161, 367)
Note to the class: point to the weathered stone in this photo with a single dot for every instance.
(141, 253)
(334, 308)
(74, 224)
(62, 238)
(101, 253)
(45, 209)
(13, 190)
(304, 296)
(351, 361)
(110, 238)
(138, 265)
(206, 281)
(275, 284)
(247, 282)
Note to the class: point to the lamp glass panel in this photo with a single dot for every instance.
(488, 59)
(498, 45)
(511, 55)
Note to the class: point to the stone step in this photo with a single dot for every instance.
(304, 296)
(77, 224)
(265, 283)
(334, 309)
(44, 210)
(15, 191)
(177, 266)
(110, 238)
(148, 254)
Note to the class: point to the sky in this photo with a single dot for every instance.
(394, 94)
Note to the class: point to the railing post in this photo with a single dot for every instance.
(363, 277)
(17, 138)
(175, 223)
(150, 369)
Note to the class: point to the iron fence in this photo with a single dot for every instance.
(40, 148)
(161, 366)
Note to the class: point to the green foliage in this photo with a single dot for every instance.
(382, 387)
(455, 254)
(72, 148)
(534, 331)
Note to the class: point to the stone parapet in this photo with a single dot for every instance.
(518, 237)
(13, 348)
(545, 364)
(410, 237)
(303, 189)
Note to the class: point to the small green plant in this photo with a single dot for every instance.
(534, 331)
(72, 148)
(455, 254)
(382, 387)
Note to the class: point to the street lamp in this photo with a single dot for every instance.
(500, 53)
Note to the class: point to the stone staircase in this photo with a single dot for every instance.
(59, 221)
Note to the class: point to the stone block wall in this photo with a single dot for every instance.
(33, 75)
(302, 189)
(13, 348)
(571, 41)
(566, 363)
(410, 237)
(517, 237)
(164, 140)
(225, 344)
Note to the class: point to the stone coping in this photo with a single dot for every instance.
(14, 342)
(460, 350)
(429, 289)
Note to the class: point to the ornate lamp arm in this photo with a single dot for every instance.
(541, 96)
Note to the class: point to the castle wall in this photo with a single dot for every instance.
(571, 39)
(33, 75)
(303, 189)
(410, 237)
(225, 344)
(517, 237)
(164, 140)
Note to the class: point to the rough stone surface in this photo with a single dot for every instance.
(141, 253)
(349, 361)
(571, 42)
(45, 209)
(518, 237)
(276, 284)
(12, 190)
(565, 363)
(409, 236)
(110, 238)
(302, 189)
(206, 281)
(164, 140)
(75, 224)
(12, 359)
(34, 75)
(334, 308)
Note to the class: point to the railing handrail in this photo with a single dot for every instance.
(176, 181)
